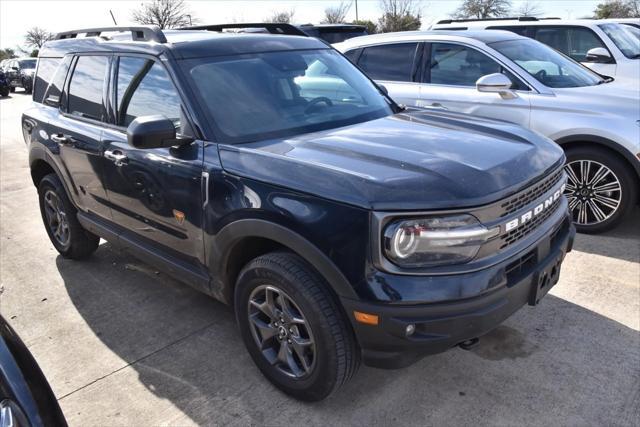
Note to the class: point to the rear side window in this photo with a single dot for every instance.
(574, 42)
(393, 62)
(144, 88)
(87, 86)
(52, 95)
(456, 65)
(46, 69)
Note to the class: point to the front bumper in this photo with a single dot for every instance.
(524, 278)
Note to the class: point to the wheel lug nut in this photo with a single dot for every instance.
(289, 341)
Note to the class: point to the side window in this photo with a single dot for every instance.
(86, 87)
(518, 29)
(144, 88)
(46, 68)
(457, 65)
(52, 94)
(581, 41)
(352, 55)
(392, 62)
(555, 37)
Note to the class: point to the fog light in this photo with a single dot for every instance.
(410, 329)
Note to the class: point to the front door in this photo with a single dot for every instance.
(155, 194)
(450, 74)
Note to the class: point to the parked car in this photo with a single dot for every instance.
(334, 33)
(20, 73)
(632, 22)
(268, 172)
(605, 47)
(500, 75)
(26, 399)
(5, 88)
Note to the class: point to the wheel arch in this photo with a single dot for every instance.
(586, 140)
(241, 241)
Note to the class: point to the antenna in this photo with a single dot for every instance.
(113, 17)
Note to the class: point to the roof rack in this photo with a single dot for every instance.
(139, 33)
(516, 18)
(273, 28)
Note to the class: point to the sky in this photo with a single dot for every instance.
(17, 16)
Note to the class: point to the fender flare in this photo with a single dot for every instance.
(40, 154)
(234, 232)
(612, 145)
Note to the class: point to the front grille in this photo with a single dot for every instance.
(522, 199)
(518, 233)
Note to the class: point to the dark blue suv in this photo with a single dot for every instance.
(268, 172)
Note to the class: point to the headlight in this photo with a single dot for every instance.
(432, 241)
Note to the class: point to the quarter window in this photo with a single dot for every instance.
(144, 88)
(46, 69)
(392, 62)
(86, 87)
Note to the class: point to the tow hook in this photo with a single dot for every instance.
(469, 344)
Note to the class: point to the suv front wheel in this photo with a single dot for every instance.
(293, 328)
(601, 189)
(61, 223)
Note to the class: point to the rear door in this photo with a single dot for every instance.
(395, 66)
(77, 131)
(155, 194)
(450, 74)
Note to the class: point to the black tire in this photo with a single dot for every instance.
(4, 92)
(79, 243)
(12, 89)
(335, 357)
(619, 170)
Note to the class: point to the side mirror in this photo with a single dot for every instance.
(15, 68)
(598, 54)
(496, 83)
(154, 132)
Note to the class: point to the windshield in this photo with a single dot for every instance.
(546, 65)
(28, 64)
(623, 39)
(633, 30)
(276, 94)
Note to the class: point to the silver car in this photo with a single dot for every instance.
(502, 75)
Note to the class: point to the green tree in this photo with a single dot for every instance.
(400, 15)
(482, 9)
(617, 9)
(371, 26)
(7, 53)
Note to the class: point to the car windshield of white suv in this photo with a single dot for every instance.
(546, 65)
(624, 39)
(277, 94)
(27, 64)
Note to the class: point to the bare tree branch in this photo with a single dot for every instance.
(164, 14)
(36, 37)
(529, 8)
(400, 15)
(482, 9)
(284, 17)
(336, 14)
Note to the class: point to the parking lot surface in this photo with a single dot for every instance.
(122, 344)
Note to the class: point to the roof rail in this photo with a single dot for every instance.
(517, 18)
(273, 28)
(139, 33)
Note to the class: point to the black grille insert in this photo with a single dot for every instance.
(519, 201)
(518, 233)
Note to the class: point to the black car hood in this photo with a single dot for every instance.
(409, 161)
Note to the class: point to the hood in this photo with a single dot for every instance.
(415, 160)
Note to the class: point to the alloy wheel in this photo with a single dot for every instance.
(281, 331)
(56, 218)
(594, 192)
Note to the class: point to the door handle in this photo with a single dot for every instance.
(116, 156)
(60, 139)
(438, 105)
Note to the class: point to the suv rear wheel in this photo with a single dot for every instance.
(61, 223)
(601, 189)
(293, 328)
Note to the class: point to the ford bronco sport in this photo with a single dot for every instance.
(268, 172)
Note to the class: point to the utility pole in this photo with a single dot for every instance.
(356, 1)
(112, 17)
(190, 23)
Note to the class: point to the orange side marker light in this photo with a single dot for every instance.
(366, 318)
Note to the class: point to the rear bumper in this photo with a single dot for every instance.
(524, 279)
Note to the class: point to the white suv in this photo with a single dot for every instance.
(604, 46)
(501, 75)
